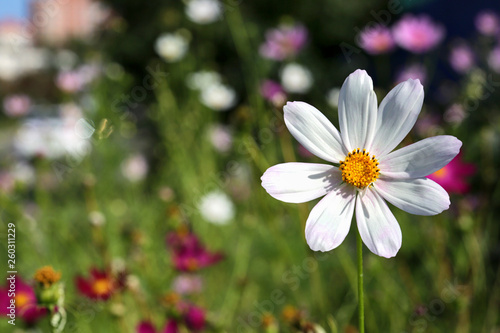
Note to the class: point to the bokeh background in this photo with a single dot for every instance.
(132, 140)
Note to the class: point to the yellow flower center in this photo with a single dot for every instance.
(359, 169)
(440, 173)
(102, 286)
(22, 299)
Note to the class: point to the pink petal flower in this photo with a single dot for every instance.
(417, 34)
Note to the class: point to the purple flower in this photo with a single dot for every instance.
(376, 40)
(273, 92)
(16, 105)
(284, 42)
(417, 34)
(415, 71)
(461, 58)
(487, 23)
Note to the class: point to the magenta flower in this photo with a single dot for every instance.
(415, 71)
(25, 302)
(273, 92)
(376, 40)
(284, 42)
(487, 23)
(453, 176)
(188, 253)
(462, 58)
(16, 105)
(417, 34)
(148, 327)
(195, 318)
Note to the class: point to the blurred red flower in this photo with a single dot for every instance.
(100, 285)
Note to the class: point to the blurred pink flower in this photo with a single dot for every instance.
(414, 71)
(417, 34)
(185, 284)
(494, 59)
(25, 302)
(220, 137)
(487, 23)
(453, 177)
(376, 40)
(284, 42)
(16, 105)
(461, 58)
(188, 253)
(70, 81)
(273, 92)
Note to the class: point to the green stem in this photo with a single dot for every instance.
(361, 309)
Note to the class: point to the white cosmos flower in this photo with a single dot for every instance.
(216, 207)
(171, 46)
(296, 78)
(203, 11)
(218, 97)
(364, 170)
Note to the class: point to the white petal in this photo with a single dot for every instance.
(330, 220)
(300, 182)
(397, 115)
(420, 196)
(314, 131)
(377, 225)
(357, 111)
(421, 158)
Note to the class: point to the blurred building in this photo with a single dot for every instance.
(56, 21)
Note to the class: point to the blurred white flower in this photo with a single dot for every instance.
(23, 173)
(171, 46)
(51, 138)
(216, 207)
(203, 11)
(332, 97)
(203, 79)
(218, 97)
(296, 78)
(221, 138)
(16, 105)
(135, 168)
(186, 284)
(97, 218)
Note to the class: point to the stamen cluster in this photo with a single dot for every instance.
(358, 169)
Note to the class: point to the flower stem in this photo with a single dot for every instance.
(361, 307)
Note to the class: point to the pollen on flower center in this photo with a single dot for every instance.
(359, 169)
